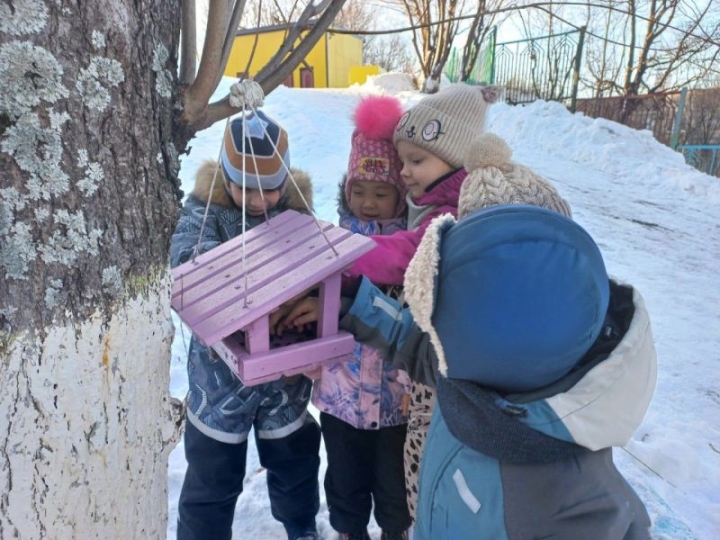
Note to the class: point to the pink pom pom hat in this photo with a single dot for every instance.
(373, 156)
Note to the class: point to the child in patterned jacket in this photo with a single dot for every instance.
(360, 400)
(229, 197)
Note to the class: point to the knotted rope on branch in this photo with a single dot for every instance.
(246, 94)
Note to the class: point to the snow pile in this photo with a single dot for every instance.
(548, 128)
(388, 83)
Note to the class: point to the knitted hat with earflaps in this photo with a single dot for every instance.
(259, 146)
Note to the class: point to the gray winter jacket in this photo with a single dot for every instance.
(218, 403)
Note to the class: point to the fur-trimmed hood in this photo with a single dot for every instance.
(217, 194)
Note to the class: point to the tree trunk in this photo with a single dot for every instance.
(88, 201)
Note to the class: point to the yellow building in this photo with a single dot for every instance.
(327, 65)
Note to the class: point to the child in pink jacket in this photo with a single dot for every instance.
(432, 139)
(360, 400)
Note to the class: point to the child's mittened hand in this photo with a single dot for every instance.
(303, 312)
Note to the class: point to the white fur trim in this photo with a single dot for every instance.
(420, 283)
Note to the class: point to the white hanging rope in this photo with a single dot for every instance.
(244, 176)
(304, 200)
(248, 95)
(212, 187)
(243, 94)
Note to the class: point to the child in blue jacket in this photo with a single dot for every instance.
(221, 410)
(541, 363)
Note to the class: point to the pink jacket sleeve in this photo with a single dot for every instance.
(386, 263)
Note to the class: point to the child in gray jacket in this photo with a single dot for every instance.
(221, 410)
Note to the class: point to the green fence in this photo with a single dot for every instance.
(705, 157)
(546, 67)
(483, 71)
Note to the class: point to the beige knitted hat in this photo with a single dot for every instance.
(494, 179)
(444, 123)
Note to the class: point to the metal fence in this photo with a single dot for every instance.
(544, 67)
(540, 68)
(548, 68)
(483, 70)
(705, 157)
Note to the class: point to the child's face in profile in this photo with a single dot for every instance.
(420, 168)
(370, 201)
(255, 203)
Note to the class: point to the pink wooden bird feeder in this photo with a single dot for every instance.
(226, 295)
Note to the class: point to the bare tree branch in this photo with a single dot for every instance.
(479, 28)
(391, 53)
(270, 78)
(189, 42)
(199, 92)
(432, 42)
(514, 7)
(290, 39)
(230, 38)
(688, 43)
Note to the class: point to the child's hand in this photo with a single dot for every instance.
(277, 314)
(303, 312)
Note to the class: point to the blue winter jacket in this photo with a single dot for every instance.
(545, 365)
(531, 465)
(218, 403)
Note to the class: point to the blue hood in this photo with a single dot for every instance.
(521, 296)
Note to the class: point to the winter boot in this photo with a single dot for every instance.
(310, 534)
